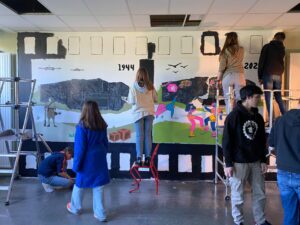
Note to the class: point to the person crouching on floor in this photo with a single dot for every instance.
(52, 171)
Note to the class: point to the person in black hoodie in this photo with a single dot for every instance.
(271, 67)
(244, 149)
(285, 138)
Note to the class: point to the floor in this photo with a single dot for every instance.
(182, 203)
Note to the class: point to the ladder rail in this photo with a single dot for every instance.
(19, 133)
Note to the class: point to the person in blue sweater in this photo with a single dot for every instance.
(285, 138)
(90, 165)
(52, 171)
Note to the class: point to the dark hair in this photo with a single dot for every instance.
(69, 150)
(91, 117)
(142, 77)
(231, 43)
(249, 90)
(279, 36)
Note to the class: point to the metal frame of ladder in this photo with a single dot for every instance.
(19, 134)
(218, 160)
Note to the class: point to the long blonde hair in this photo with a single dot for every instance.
(91, 117)
(231, 43)
(142, 78)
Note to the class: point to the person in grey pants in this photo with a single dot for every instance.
(244, 149)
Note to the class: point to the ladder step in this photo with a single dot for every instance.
(4, 188)
(6, 171)
(8, 155)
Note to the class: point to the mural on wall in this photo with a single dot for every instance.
(186, 84)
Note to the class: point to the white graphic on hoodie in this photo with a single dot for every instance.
(250, 128)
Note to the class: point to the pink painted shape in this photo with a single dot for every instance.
(172, 88)
(160, 109)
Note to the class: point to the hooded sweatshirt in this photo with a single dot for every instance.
(271, 59)
(142, 100)
(244, 138)
(285, 137)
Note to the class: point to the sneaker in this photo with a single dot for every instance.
(147, 161)
(139, 161)
(104, 220)
(69, 209)
(48, 188)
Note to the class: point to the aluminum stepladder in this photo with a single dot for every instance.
(16, 135)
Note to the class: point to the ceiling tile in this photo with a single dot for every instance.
(56, 29)
(288, 19)
(273, 6)
(44, 20)
(14, 21)
(147, 7)
(231, 6)
(80, 21)
(120, 29)
(4, 11)
(220, 20)
(104, 7)
(114, 21)
(141, 20)
(257, 19)
(66, 7)
(189, 6)
(87, 29)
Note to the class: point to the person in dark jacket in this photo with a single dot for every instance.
(52, 171)
(244, 149)
(90, 165)
(285, 138)
(270, 69)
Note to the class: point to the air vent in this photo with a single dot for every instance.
(25, 6)
(173, 21)
(167, 20)
(295, 9)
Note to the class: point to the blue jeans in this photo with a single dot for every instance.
(55, 181)
(273, 82)
(143, 130)
(289, 188)
(98, 199)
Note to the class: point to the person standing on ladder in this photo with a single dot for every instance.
(270, 69)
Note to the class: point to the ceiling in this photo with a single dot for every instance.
(134, 15)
